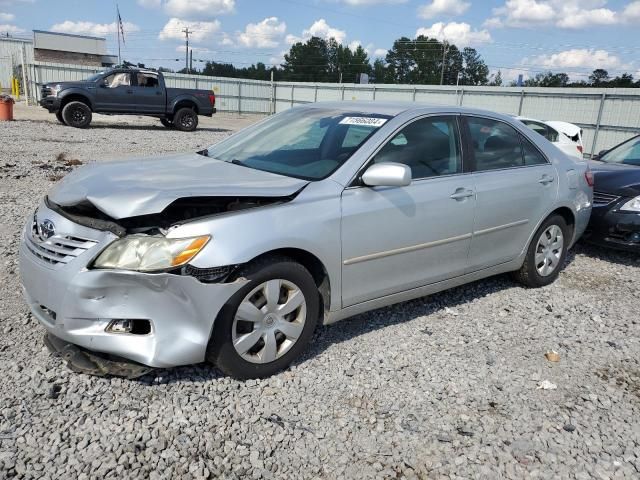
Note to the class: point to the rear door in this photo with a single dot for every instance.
(398, 238)
(148, 94)
(515, 188)
(115, 93)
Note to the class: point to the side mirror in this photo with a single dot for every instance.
(387, 174)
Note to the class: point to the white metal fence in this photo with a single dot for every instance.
(608, 116)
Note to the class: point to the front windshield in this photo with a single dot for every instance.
(627, 153)
(95, 77)
(308, 143)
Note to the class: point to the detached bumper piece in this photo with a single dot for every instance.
(82, 360)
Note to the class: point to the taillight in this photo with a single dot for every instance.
(588, 176)
(212, 99)
(580, 149)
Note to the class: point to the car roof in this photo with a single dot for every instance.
(396, 108)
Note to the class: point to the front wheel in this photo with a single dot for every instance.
(267, 323)
(546, 253)
(59, 117)
(186, 120)
(76, 114)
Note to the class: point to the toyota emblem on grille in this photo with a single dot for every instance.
(46, 229)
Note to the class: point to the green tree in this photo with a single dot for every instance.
(496, 79)
(308, 62)
(598, 77)
(475, 71)
(401, 60)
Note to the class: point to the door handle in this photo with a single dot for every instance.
(158, 93)
(546, 179)
(129, 91)
(461, 194)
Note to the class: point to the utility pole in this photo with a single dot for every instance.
(186, 50)
(190, 60)
(445, 48)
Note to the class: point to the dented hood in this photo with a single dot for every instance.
(143, 186)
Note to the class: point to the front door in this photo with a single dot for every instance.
(115, 93)
(515, 188)
(398, 238)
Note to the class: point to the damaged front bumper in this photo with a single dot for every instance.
(82, 360)
(77, 305)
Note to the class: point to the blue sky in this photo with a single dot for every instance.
(515, 36)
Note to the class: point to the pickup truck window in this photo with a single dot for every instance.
(117, 79)
(147, 80)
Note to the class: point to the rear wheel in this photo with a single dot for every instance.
(186, 120)
(546, 253)
(59, 117)
(76, 114)
(267, 323)
(167, 123)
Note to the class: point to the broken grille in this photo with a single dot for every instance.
(57, 249)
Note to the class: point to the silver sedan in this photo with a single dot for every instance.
(234, 254)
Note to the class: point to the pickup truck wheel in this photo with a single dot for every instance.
(76, 114)
(268, 323)
(185, 120)
(59, 117)
(167, 123)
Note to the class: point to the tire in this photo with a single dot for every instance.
(59, 117)
(76, 114)
(186, 120)
(291, 281)
(543, 262)
(167, 123)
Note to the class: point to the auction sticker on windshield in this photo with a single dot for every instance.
(368, 121)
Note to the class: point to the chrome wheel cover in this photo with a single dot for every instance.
(549, 250)
(269, 321)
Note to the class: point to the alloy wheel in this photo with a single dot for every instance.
(269, 321)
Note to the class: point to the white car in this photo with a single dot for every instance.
(566, 136)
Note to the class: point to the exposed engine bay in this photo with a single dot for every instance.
(179, 211)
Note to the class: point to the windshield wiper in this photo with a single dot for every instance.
(204, 153)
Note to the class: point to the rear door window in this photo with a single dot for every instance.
(495, 144)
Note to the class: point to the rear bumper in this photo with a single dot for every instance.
(614, 229)
(50, 103)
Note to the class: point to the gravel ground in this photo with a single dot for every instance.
(441, 387)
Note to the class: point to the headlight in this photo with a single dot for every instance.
(632, 205)
(144, 253)
(55, 89)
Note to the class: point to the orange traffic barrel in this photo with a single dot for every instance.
(6, 107)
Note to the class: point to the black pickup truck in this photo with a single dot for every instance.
(127, 91)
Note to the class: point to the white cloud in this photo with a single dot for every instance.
(460, 34)
(632, 12)
(200, 30)
(577, 58)
(11, 29)
(443, 7)
(570, 14)
(366, 3)
(7, 17)
(91, 28)
(322, 29)
(182, 48)
(380, 52)
(150, 3)
(319, 28)
(198, 9)
(266, 34)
